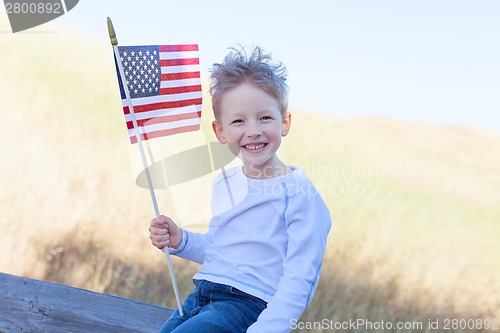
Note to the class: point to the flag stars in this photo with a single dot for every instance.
(142, 70)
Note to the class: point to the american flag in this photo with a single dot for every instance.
(165, 89)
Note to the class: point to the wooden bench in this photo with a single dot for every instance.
(28, 305)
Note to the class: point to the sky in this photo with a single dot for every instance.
(436, 62)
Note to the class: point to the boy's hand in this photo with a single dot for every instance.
(163, 232)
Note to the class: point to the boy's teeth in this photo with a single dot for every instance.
(254, 146)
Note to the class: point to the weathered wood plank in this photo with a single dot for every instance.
(28, 305)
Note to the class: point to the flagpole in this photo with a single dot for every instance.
(114, 43)
(172, 212)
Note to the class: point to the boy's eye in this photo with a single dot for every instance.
(266, 118)
(237, 121)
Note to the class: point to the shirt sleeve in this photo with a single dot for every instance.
(192, 246)
(308, 224)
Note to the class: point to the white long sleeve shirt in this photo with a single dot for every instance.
(267, 238)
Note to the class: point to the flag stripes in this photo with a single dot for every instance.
(180, 76)
(170, 69)
(165, 132)
(166, 118)
(180, 83)
(163, 112)
(179, 62)
(178, 48)
(163, 105)
(179, 89)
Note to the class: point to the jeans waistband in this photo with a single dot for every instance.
(209, 290)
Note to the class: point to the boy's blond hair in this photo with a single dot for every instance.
(256, 69)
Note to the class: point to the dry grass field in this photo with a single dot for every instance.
(416, 208)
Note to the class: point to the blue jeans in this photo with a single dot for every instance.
(212, 308)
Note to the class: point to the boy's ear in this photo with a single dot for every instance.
(286, 123)
(219, 131)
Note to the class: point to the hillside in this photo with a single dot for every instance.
(416, 208)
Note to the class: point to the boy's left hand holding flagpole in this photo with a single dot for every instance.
(114, 43)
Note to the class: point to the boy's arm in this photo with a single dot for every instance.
(308, 224)
(192, 246)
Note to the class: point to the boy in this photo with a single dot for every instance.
(262, 255)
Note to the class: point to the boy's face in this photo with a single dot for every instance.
(251, 124)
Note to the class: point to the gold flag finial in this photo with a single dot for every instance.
(112, 34)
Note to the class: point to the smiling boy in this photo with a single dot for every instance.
(251, 123)
(262, 255)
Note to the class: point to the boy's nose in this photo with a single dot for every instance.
(253, 130)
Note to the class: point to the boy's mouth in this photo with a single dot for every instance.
(255, 147)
